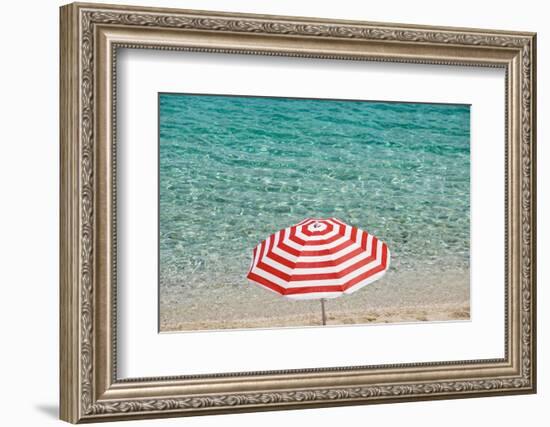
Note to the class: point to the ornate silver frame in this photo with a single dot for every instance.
(90, 36)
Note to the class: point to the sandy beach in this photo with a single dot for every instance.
(398, 297)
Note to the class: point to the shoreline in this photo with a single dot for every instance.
(406, 296)
(434, 313)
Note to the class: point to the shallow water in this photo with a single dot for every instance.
(235, 169)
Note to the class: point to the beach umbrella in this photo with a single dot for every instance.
(318, 259)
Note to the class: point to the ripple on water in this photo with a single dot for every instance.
(234, 170)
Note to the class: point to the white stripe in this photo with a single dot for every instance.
(264, 287)
(309, 258)
(366, 282)
(306, 258)
(282, 252)
(327, 295)
(321, 282)
(277, 266)
(252, 261)
(271, 277)
(336, 221)
(338, 281)
(335, 269)
(318, 270)
(314, 295)
(300, 234)
(318, 225)
(328, 257)
(299, 247)
(369, 248)
(291, 243)
(289, 270)
(257, 255)
(266, 248)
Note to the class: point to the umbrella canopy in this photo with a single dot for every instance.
(317, 259)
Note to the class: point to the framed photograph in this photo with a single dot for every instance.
(266, 212)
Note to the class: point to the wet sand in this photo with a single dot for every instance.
(409, 296)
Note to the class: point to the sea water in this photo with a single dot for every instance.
(234, 170)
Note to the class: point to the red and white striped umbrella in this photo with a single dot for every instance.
(318, 259)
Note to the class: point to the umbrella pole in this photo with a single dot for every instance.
(323, 315)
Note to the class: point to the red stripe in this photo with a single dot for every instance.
(337, 274)
(271, 243)
(319, 264)
(330, 263)
(288, 249)
(283, 246)
(324, 241)
(262, 251)
(292, 236)
(314, 264)
(337, 221)
(339, 234)
(265, 251)
(312, 289)
(253, 259)
(347, 285)
(317, 276)
(364, 238)
(302, 242)
(265, 282)
(272, 270)
(328, 288)
(281, 260)
(369, 273)
(354, 234)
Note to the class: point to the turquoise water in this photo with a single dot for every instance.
(235, 169)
